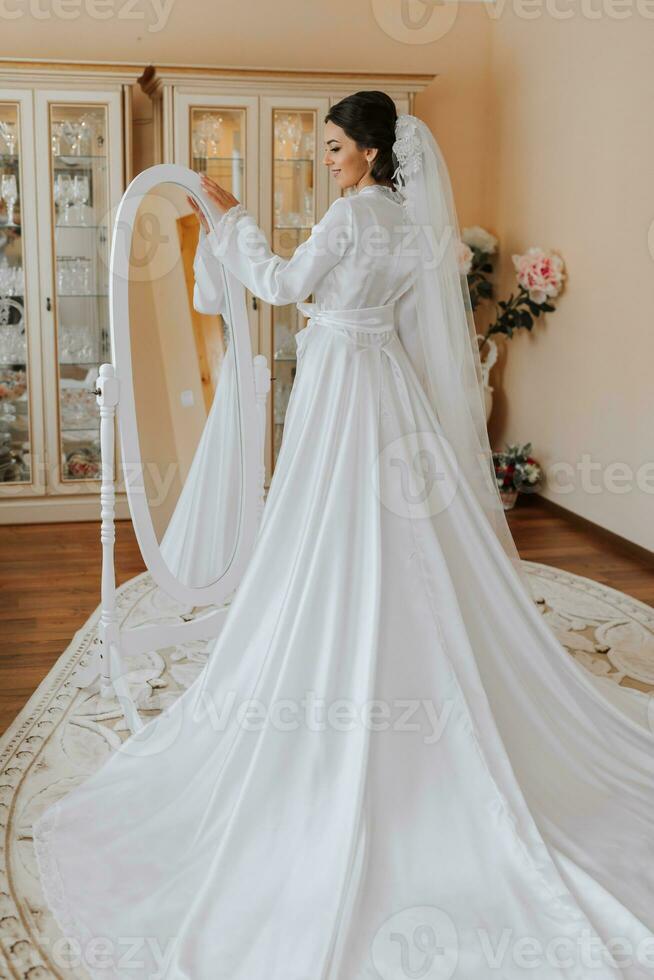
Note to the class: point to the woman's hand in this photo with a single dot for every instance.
(221, 198)
(199, 213)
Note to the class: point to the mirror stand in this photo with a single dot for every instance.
(105, 671)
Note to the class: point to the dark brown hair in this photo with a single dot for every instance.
(369, 118)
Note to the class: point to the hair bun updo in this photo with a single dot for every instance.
(369, 119)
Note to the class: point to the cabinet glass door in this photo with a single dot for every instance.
(294, 214)
(218, 145)
(80, 205)
(15, 439)
(219, 139)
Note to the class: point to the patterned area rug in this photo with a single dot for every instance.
(63, 733)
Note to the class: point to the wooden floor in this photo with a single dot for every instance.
(50, 582)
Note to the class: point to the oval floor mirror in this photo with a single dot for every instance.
(190, 402)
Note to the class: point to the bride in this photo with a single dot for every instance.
(389, 767)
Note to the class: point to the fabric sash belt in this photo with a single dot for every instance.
(371, 327)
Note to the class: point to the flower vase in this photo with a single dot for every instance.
(509, 497)
(486, 364)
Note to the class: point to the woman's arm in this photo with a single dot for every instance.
(239, 243)
(209, 290)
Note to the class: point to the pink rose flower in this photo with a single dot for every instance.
(540, 273)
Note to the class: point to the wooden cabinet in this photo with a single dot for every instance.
(66, 137)
(259, 133)
(64, 147)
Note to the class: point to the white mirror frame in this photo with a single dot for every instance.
(115, 391)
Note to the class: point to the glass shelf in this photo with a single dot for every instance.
(82, 427)
(80, 364)
(72, 160)
(231, 160)
(308, 160)
(61, 226)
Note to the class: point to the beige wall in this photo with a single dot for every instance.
(574, 141)
(546, 127)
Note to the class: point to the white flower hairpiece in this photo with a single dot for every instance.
(407, 146)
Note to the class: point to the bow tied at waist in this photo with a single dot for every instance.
(366, 329)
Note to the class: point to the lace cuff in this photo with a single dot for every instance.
(209, 244)
(230, 217)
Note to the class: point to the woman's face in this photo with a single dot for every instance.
(347, 164)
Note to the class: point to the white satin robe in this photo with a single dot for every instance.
(491, 815)
(200, 538)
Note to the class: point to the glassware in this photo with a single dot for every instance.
(78, 344)
(87, 133)
(9, 193)
(74, 275)
(56, 135)
(218, 136)
(12, 279)
(288, 133)
(63, 196)
(9, 136)
(308, 145)
(72, 133)
(80, 195)
(13, 346)
(308, 207)
(207, 134)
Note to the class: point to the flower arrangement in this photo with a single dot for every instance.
(540, 276)
(84, 463)
(13, 385)
(516, 471)
(475, 250)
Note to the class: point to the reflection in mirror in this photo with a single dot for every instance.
(185, 392)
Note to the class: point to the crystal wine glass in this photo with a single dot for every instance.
(80, 193)
(9, 193)
(8, 133)
(56, 136)
(64, 196)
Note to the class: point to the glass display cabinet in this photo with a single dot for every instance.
(217, 145)
(16, 377)
(260, 134)
(79, 214)
(79, 134)
(63, 167)
(294, 210)
(218, 135)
